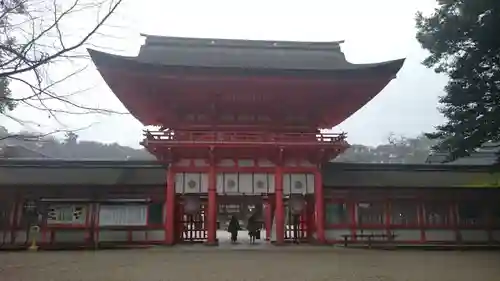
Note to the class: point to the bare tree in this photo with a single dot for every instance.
(34, 35)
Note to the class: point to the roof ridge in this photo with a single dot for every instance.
(255, 43)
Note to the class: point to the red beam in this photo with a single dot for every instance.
(280, 206)
(270, 170)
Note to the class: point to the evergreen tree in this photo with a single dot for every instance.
(463, 40)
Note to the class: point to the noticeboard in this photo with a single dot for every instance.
(123, 215)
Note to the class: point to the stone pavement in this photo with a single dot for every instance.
(284, 263)
(243, 241)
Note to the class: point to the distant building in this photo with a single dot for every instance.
(488, 154)
(20, 151)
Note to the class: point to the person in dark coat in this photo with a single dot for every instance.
(296, 228)
(253, 228)
(233, 228)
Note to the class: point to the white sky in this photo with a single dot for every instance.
(373, 31)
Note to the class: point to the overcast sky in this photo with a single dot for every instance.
(373, 31)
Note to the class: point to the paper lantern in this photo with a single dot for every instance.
(191, 205)
(297, 204)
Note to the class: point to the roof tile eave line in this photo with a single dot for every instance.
(414, 167)
(96, 54)
(102, 59)
(397, 64)
(99, 56)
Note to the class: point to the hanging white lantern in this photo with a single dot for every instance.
(297, 204)
(30, 205)
(191, 205)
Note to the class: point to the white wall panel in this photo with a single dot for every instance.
(220, 183)
(474, 235)
(226, 163)
(265, 163)
(246, 163)
(123, 215)
(245, 183)
(260, 183)
(298, 183)
(271, 183)
(179, 183)
(186, 183)
(310, 183)
(192, 182)
(204, 183)
(183, 163)
(200, 163)
(231, 183)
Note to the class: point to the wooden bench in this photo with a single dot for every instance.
(369, 238)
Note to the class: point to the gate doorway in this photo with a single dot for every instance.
(299, 226)
(242, 207)
(191, 215)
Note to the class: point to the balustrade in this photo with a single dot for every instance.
(242, 137)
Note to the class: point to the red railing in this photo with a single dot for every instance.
(241, 137)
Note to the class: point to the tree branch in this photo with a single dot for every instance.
(57, 54)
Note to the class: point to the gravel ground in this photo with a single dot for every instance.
(290, 264)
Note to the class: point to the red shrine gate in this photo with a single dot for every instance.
(242, 118)
(289, 194)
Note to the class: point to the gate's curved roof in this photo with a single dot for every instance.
(172, 66)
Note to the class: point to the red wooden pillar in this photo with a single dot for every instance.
(421, 220)
(268, 218)
(454, 220)
(88, 226)
(44, 230)
(388, 215)
(14, 220)
(95, 212)
(280, 206)
(353, 220)
(212, 206)
(319, 207)
(311, 220)
(170, 208)
(489, 222)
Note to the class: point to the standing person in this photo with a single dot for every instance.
(253, 228)
(296, 228)
(233, 228)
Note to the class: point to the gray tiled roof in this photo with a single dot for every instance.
(243, 53)
(247, 54)
(488, 154)
(86, 173)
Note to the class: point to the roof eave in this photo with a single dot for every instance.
(102, 59)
